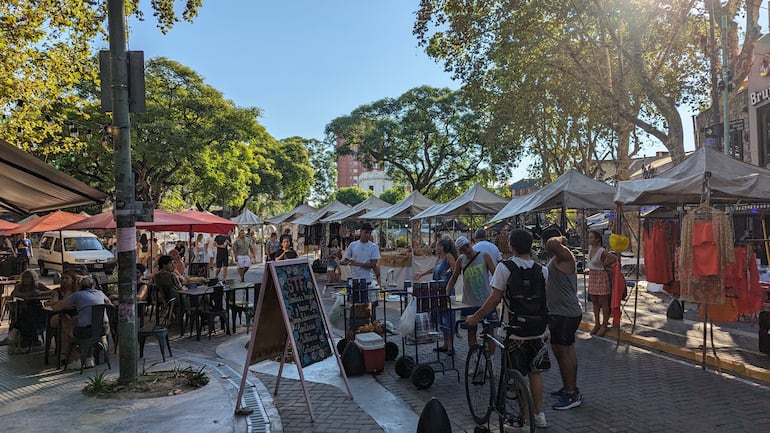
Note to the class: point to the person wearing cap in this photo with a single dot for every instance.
(166, 279)
(483, 245)
(244, 252)
(362, 256)
(475, 267)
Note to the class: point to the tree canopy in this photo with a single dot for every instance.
(352, 195)
(428, 138)
(616, 69)
(46, 52)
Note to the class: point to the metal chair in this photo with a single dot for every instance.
(217, 309)
(95, 337)
(159, 330)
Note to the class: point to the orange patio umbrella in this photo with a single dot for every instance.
(52, 221)
(7, 225)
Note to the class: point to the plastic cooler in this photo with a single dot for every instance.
(373, 348)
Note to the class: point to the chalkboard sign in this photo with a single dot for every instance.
(289, 314)
(301, 301)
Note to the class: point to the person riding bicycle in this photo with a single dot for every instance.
(522, 288)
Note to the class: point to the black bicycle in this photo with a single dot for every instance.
(511, 398)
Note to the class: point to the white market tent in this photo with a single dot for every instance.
(247, 218)
(371, 203)
(475, 201)
(411, 205)
(291, 215)
(729, 180)
(571, 190)
(326, 211)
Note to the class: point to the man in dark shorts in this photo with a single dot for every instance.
(565, 316)
(531, 355)
(222, 242)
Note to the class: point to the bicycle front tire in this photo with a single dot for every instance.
(479, 383)
(514, 401)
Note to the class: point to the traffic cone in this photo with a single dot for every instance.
(434, 418)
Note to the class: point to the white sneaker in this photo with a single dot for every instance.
(90, 362)
(540, 420)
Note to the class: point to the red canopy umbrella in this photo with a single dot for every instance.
(53, 221)
(214, 223)
(162, 221)
(7, 225)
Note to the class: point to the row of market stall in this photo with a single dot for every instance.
(706, 183)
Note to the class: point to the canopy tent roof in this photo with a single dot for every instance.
(208, 222)
(356, 211)
(247, 218)
(326, 211)
(410, 206)
(7, 225)
(475, 201)
(729, 180)
(163, 221)
(30, 185)
(291, 215)
(53, 221)
(571, 190)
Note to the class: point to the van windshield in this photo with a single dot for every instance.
(82, 244)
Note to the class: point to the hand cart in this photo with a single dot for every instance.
(431, 299)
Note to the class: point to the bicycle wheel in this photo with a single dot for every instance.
(479, 383)
(514, 402)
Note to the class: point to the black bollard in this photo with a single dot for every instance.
(353, 360)
(434, 418)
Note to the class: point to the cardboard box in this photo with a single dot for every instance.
(373, 348)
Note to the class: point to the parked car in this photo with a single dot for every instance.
(80, 248)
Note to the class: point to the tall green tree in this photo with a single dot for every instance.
(427, 138)
(46, 51)
(631, 62)
(323, 160)
(393, 195)
(352, 195)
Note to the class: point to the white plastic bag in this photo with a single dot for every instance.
(406, 324)
(337, 313)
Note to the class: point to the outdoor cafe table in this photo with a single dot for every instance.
(200, 291)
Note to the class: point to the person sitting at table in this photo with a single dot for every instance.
(287, 252)
(167, 280)
(30, 317)
(69, 285)
(176, 259)
(84, 300)
(141, 285)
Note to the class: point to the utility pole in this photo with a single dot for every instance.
(725, 89)
(125, 209)
(713, 59)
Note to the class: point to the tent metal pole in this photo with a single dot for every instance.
(638, 263)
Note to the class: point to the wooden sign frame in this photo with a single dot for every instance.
(289, 296)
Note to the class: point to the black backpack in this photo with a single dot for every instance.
(525, 298)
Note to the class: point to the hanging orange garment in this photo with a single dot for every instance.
(618, 286)
(749, 294)
(704, 249)
(656, 238)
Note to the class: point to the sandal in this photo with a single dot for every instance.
(595, 330)
(603, 330)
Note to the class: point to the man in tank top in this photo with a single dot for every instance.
(565, 315)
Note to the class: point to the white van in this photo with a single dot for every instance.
(80, 248)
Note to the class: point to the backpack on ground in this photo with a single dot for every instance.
(525, 299)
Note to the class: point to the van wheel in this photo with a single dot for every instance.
(43, 270)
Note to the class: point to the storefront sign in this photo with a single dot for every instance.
(757, 97)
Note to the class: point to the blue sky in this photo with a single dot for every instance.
(303, 63)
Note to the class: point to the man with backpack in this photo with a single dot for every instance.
(520, 283)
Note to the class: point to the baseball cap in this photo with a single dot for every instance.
(480, 234)
(461, 242)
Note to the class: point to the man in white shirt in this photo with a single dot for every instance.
(362, 256)
(484, 246)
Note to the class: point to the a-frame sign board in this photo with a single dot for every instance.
(290, 313)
